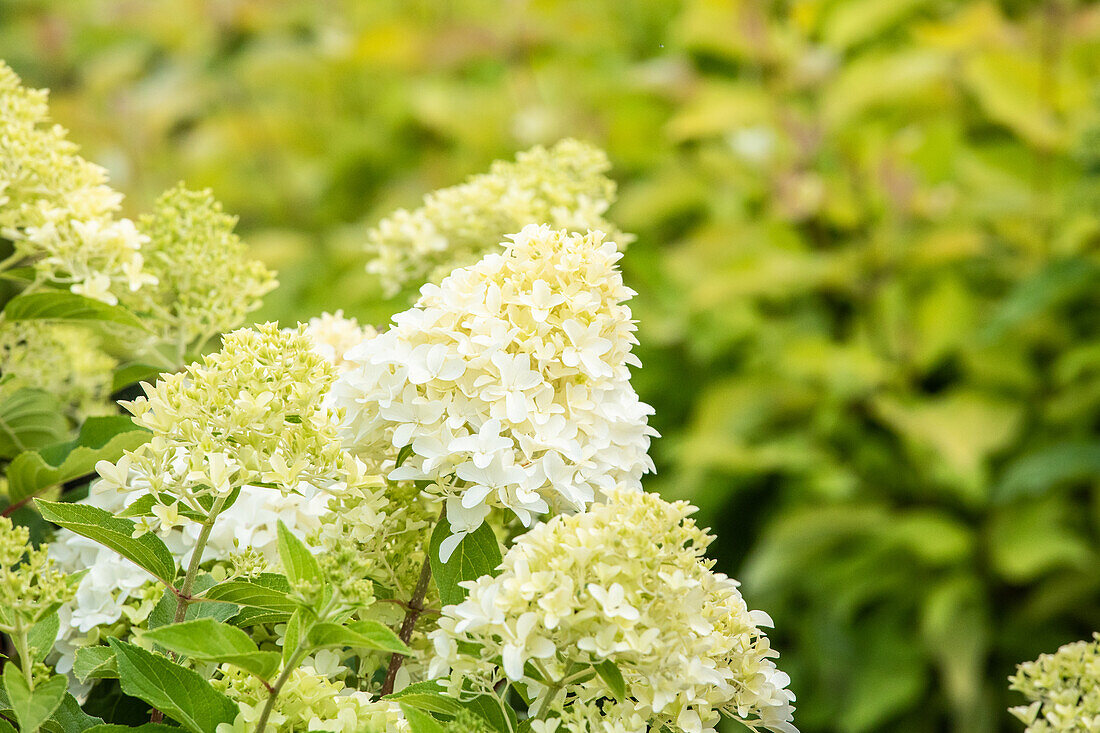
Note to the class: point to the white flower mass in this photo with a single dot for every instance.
(510, 383)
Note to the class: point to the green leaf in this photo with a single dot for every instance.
(212, 641)
(42, 636)
(267, 592)
(64, 307)
(164, 612)
(429, 695)
(477, 554)
(421, 722)
(70, 718)
(179, 693)
(95, 663)
(1035, 473)
(100, 439)
(144, 728)
(147, 551)
(133, 373)
(29, 419)
(6, 727)
(612, 677)
(34, 707)
(298, 562)
(357, 635)
(432, 697)
(293, 636)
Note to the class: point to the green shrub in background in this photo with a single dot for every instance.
(867, 247)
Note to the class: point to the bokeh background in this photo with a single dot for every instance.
(867, 266)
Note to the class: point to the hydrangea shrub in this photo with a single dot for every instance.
(434, 527)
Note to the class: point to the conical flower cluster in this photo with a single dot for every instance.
(508, 382)
(625, 583)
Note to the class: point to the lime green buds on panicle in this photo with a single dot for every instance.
(56, 208)
(206, 284)
(30, 588)
(64, 360)
(251, 413)
(564, 186)
(1064, 689)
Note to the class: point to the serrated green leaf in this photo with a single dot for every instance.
(181, 694)
(208, 640)
(29, 419)
(421, 722)
(100, 439)
(95, 663)
(59, 306)
(298, 562)
(357, 635)
(70, 718)
(131, 374)
(42, 636)
(164, 612)
(267, 592)
(147, 551)
(34, 707)
(477, 554)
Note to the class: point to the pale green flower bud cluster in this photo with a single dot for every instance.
(626, 581)
(31, 588)
(56, 208)
(309, 700)
(61, 359)
(250, 414)
(1064, 689)
(564, 186)
(206, 284)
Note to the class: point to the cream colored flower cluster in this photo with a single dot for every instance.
(206, 284)
(1064, 689)
(626, 581)
(250, 414)
(564, 186)
(56, 208)
(334, 335)
(64, 360)
(309, 701)
(510, 383)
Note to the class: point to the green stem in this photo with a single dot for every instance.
(273, 692)
(183, 596)
(22, 647)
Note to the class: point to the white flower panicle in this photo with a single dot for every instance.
(625, 582)
(1064, 689)
(334, 335)
(510, 383)
(564, 186)
(56, 208)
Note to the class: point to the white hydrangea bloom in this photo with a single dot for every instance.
(626, 581)
(334, 335)
(510, 383)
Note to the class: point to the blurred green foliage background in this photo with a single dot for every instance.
(868, 261)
